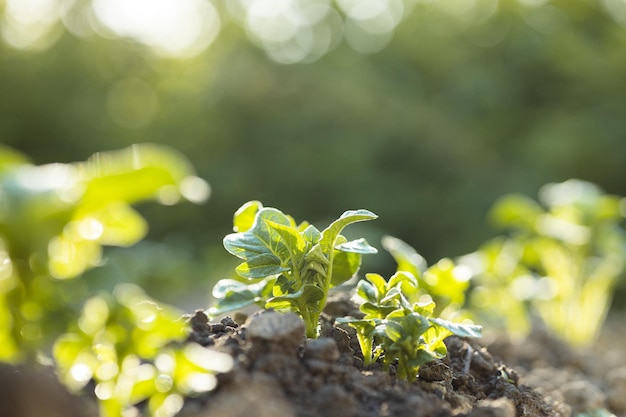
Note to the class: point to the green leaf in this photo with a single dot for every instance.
(367, 291)
(405, 256)
(133, 174)
(260, 238)
(244, 216)
(232, 295)
(311, 234)
(345, 265)
(308, 295)
(379, 283)
(357, 246)
(11, 158)
(294, 241)
(516, 211)
(459, 329)
(329, 235)
(261, 266)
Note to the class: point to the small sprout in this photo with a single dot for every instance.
(288, 266)
(394, 328)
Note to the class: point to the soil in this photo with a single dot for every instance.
(278, 372)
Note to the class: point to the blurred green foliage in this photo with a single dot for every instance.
(463, 102)
(559, 262)
(126, 344)
(54, 220)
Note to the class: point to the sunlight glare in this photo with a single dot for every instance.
(31, 24)
(173, 28)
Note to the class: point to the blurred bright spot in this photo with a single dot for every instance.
(174, 28)
(107, 370)
(7, 282)
(90, 229)
(132, 103)
(617, 9)
(95, 314)
(195, 189)
(291, 31)
(31, 24)
(105, 390)
(370, 24)
(81, 372)
(171, 406)
(200, 382)
(209, 359)
(163, 383)
(165, 363)
(168, 195)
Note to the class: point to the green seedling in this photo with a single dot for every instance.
(560, 261)
(396, 329)
(132, 349)
(288, 266)
(445, 282)
(54, 221)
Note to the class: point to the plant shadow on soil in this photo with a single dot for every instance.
(278, 372)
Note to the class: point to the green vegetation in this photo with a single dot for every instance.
(54, 220)
(560, 262)
(132, 349)
(292, 266)
(396, 328)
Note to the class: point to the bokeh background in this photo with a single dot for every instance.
(422, 111)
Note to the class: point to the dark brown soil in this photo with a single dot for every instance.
(280, 373)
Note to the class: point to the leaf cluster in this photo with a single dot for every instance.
(559, 260)
(54, 221)
(288, 266)
(396, 329)
(132, 350)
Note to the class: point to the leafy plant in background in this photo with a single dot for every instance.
(291, 266)
(393, 328)
(54, 220)
(132, 349)
(444, 282)
(560, 261)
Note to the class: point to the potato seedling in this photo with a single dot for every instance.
(560, 261)
(289, 266)
(393, 328)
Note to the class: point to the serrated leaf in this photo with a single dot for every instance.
(357, 246)
(327, 241)
(458, 329)
(261, 266)
(244, 216)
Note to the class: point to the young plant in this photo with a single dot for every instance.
(132, 349)
(395, 329)
(445, 282)
(54, 220)
(560, 261)
(289, 266)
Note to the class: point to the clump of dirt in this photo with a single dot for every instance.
(278, 371)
